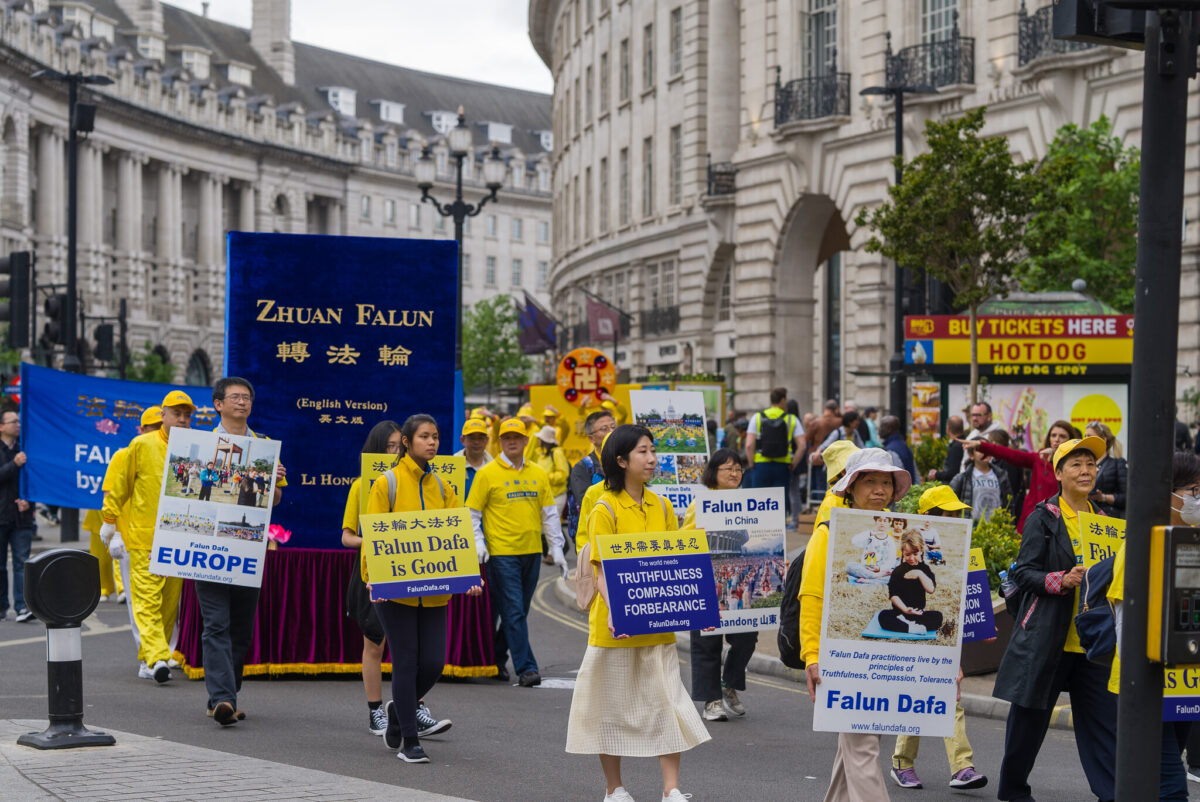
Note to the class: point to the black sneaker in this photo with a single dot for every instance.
(502, 674)
(161, 672)
(427, 724)
(377, 721)
(530, 678)
(391, 735)
(412, 753)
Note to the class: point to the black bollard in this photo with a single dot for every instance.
(62, 588)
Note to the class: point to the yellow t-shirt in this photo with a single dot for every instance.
(511, 501)
(415, 490)
(812, 582)
(689, 517)
(654, 514)
(586, 505)
(350, 516)
(1071, 519)
(1116, 594)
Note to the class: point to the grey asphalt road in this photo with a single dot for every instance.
(506, 743)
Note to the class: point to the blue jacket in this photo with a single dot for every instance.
(897, 446)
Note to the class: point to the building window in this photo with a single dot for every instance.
(578, 107)
(647, 176)
(589, 103)
(196, 63)
(239, 75)
(676, 41)
(490, 228)
(518, 228)
(364, 207)
(566, 116)
(676, 164)
(623, 186)
(604, 87)
(623, 79)
(725, 296)
(543, 179)
(648, 56)
(389, 211)
(443, 163)
(516, 272)
(604, 5)
(342, 100)
(821, 35)
(833, 327)
(937, 19)
(604, 199)
(439, 223)
(414, 215)
(103, 30)
(543, 275)
(587, 203)
(543, 231)
(489, 272)
(660, 284)
(576, 229)
(150, 46)
(391, 111)
(466, 268)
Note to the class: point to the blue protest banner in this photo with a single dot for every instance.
(338, 334)
(659, 582)
(71, 425)
(978, 620)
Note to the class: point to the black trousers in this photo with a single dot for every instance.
(229, 613)
(1094, 712)
(417, 637)
(706, 663)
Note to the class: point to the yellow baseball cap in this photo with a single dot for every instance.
(178, 398)
(151, 416)
(1094, 444)
(526, 411)
(474, 426)
(835, 456)
(512, 426)
(478, 413)
(941, 497)
(550, 410)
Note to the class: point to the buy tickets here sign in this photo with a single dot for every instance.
(1075, 339)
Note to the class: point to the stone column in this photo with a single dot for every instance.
(48, 192)
(247, 221)
(209, 192)
(723, 74)
(89, 208)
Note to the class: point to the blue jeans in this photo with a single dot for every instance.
(513, 579)
(229, 612)
(19, 539)
(773, 474)
(1172, 781)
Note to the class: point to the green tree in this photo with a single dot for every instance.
(491, 355)
(957, 215)
(148, 365)
(1083, 221)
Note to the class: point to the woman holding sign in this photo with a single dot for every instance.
(629, 700)
(724, 471)
(415, 627)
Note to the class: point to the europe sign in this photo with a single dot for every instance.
(338, 334)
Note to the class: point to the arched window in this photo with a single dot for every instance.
(199, 370)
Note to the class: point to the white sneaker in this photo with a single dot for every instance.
(732, 703)
(619, 795)
(172, 663)
(1192, 778)
(676, 796)
(121, 597)
(714, 711)
(145, 672)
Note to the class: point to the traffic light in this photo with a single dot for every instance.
(15, 276)
(104, 343)
(55, 330)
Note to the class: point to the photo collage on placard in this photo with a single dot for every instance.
(676, 419)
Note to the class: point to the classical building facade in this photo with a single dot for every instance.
(711, 157)
(209, 128)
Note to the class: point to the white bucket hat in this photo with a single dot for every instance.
(869, 460)
(548, 435)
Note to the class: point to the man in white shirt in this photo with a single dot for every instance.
(981, 425)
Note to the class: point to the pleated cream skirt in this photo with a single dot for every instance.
(630, 702)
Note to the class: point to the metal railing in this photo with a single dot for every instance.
(812, 98)
(945, 63)
(660, 320)
(722, 178)
(1035, 36)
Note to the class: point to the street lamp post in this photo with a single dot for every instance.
(461, 146)
(896, 89)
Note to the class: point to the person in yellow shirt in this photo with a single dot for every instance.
(384, 438)
(511, 508)
(552, 459)
(1044, 657)
(416, 627)
(653, 715)
(154, 600)
(1185, 511)
(553, 418)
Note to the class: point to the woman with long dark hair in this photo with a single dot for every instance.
(1042, 485)
(652, 716)
(415, 627)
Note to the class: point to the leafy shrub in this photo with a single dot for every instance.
(930, 454)
(1000, 542)
(908, 504)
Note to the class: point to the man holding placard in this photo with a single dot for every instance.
(154, 600)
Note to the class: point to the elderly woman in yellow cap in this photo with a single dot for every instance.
(941, 502)
(1044, 657)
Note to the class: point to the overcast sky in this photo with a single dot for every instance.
(482, 40)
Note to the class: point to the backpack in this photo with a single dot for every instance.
(788, 637)
(572, 522)
(585, 572)
(773, 435)
(1095, 623)
(391, 482)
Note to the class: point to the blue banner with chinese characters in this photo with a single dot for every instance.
(71, 425)
(659, 582)
(338, 334)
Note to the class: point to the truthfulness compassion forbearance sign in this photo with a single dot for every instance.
(337, 334)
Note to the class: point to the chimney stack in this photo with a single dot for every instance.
(271, 36)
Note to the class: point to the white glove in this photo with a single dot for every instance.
(116, 547)
(556, 554)
(106, 532)
(481, 550)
